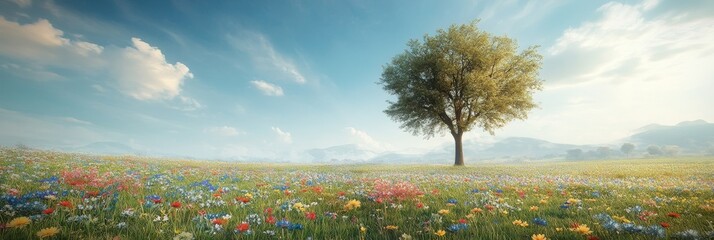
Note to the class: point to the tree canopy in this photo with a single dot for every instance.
(459, 79)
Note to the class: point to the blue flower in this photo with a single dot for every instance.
(295, 226)
(452, 201)
(283, 223)
(457, 227)
(540, 221)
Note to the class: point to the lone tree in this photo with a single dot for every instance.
(458, 79)
(627, 148)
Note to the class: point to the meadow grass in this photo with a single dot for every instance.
(129, 197)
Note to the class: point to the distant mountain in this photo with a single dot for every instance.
(691, 136)
(109, 148)
(527, 148)
(349, 153)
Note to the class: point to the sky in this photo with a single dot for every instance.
(271, 79)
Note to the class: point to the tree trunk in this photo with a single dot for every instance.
(458, 151)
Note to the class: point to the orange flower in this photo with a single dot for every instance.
(66, 204)
(244, 226)
(219, 221)
(673, 215)
(176, 204)
(539, 237)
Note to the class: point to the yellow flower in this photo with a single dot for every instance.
(543, 201)
(440, 233)
(504, 212)
(362, 229)
(48, 232)
(391, 227)
(534, 208)
(582, 229)
(558, 229)
(352, 204)
(573, 201)
(19, 222)
(444, 211)
(476, 210)
(248, 195)
(622, 219)
(299, 206)
(538, 237)
(520, 223)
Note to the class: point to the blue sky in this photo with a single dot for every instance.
(268, 80)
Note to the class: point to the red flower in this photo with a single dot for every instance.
(48, 211)
(201, 212)
(419, 205)
(664, 224)
(271, 220)
(243, 199)
(66, 204)
(268, 211)
(219, 221)
(157, 200)
(310, 215)
(342, 193)
(674, 215)
(92, 194)
(591, 237)
(176, 204)
(242, 227)
(462, 221)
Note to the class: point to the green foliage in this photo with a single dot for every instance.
(627, 148)
(460, 78)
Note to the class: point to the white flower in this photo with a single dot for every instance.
(184, 236)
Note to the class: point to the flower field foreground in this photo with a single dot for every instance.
(50, 195)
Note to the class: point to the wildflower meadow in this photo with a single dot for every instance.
(51, 195)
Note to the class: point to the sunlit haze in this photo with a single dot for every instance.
(261, 80)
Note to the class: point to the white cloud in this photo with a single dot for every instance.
(74, 120)
(139, 71)
(23, 3)
(225, 131)
(285, 137)
(268, 88)
(623, 45)
(187, 104)
(363, 139)
(30, 72)
(142, 72)
(264, 56)
(40, 42)
(628, 68)
(40, 131)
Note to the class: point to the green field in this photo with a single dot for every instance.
(95, 197)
